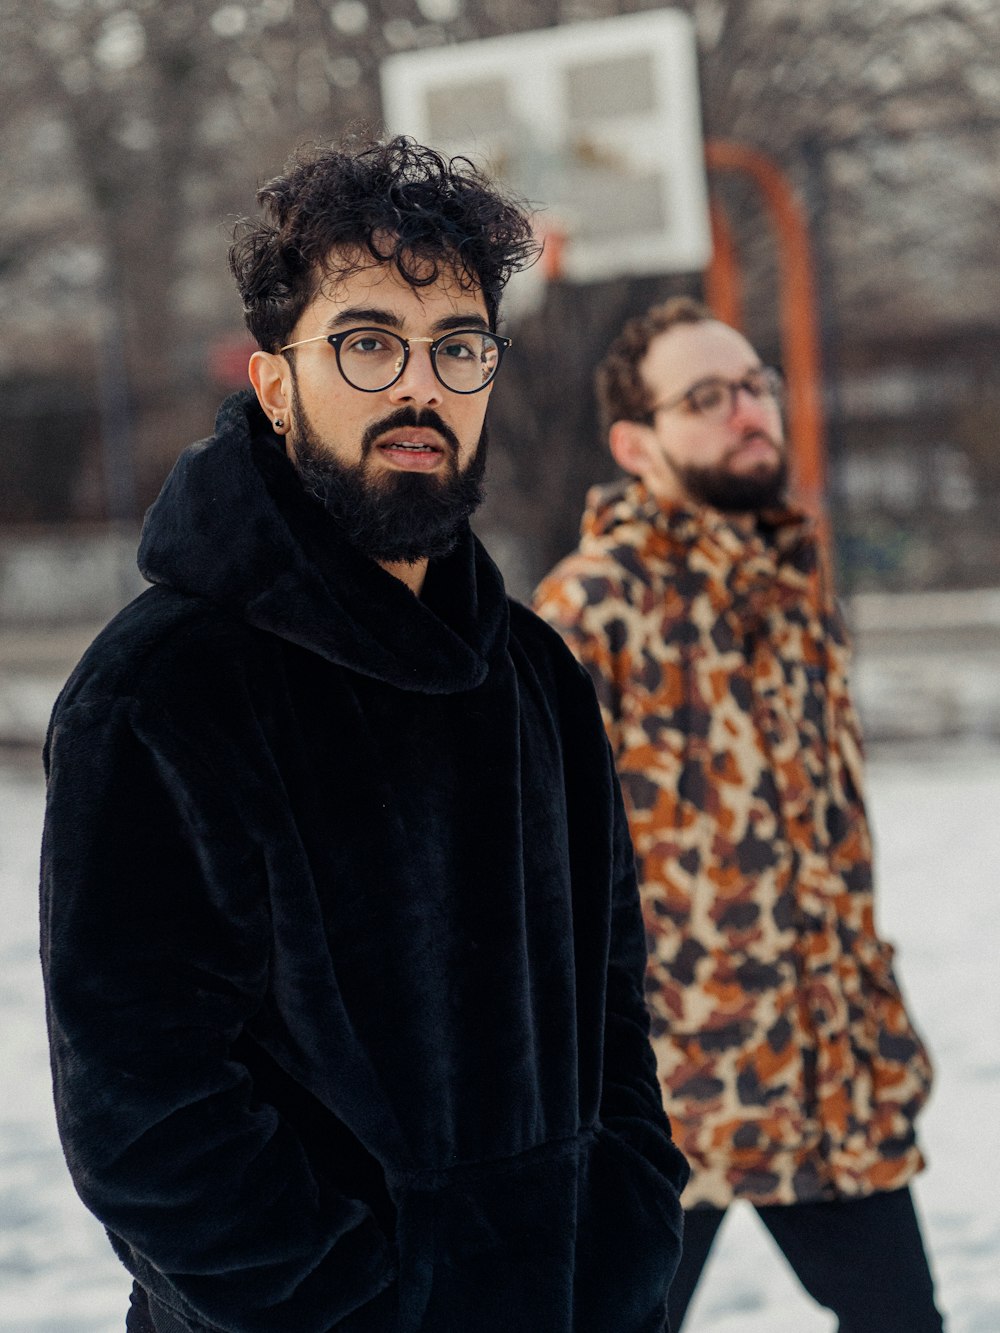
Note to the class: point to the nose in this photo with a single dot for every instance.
(418, 384)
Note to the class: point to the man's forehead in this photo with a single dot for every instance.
(352, 278)
(689, 352)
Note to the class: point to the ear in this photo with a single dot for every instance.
(629, 442)
(271, 379)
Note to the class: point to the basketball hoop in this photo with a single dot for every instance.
(595, 123)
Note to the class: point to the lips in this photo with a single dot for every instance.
(755, 442)
(407, 441)
(412, 450)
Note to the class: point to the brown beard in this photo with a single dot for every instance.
(734, 493)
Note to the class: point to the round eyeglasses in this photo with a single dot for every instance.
(372, 359)
(715, 397)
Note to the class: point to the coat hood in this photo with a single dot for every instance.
(644, 532)
(234, 525)
(613, 507)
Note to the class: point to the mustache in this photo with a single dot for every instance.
(408, 416)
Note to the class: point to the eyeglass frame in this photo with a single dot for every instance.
(335, 339)
(733, 387)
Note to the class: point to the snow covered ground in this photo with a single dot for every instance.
(936, 810)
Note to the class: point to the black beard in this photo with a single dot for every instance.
(735, 494)
(393, 517)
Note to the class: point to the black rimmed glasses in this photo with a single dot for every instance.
(372, 359)
(715, 397)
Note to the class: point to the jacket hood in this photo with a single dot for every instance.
(234, 525)
(624, 514)
(629, 500)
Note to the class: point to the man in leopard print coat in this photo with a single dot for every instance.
(697, 602)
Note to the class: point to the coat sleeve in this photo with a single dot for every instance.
(155, 952)
(631, 1100)
(583, 607)
(588, 609)
(901, 1062)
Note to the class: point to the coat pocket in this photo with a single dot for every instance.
(489, 1247)
(901, 1069)
(628, 1240)
(579, 1236)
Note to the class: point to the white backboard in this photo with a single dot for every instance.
(597, 124)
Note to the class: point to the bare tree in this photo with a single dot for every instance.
(133, 131)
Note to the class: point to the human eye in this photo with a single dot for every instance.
(369, 343)
(462, 347)
(764, 382)
(708, 395)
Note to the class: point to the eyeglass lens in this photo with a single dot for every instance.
(717, 397)
(372, 359)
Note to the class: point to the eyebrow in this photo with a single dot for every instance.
(357, 314)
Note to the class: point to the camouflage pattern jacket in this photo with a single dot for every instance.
(789, 1067)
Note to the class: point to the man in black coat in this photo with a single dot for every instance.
(341, 941)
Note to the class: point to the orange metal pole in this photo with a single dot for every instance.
(799, 331)
(723, 284)
(554, 240)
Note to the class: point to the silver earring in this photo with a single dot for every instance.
(278, 423)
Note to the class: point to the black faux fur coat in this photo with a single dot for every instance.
(341, 940)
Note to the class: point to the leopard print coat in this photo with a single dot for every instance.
(789, 1067)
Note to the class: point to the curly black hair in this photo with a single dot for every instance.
(334, 211)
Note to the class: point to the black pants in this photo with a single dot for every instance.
(864, 1259)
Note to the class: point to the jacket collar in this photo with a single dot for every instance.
(779, 548)
(629, 499)
(234, 525)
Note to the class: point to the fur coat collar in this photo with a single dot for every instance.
(234, 525)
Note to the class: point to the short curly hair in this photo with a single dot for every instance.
(622, 394)
(335, 210)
